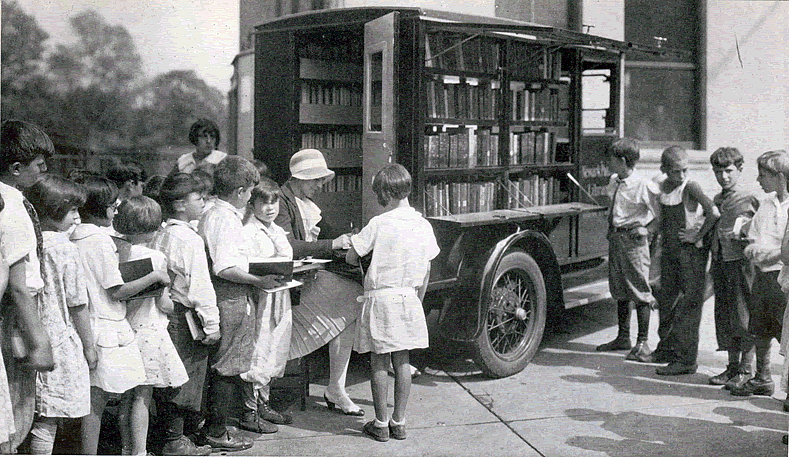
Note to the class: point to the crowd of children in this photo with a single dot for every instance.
(194, 332)
(749, 245)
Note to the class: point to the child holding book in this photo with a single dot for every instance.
(768, 302)
(119, 365)
(393, 320)
(192, 293)
(62, 306)
(137, 221)
(265, 239)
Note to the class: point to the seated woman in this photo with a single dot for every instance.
(328, 310)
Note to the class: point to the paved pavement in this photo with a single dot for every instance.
(570, 401)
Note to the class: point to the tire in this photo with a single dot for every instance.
(510, 338)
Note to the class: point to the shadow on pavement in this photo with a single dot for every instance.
(647, 435)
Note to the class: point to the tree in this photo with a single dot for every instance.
(22, 44)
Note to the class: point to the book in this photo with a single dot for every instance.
(194, 324)
(135, 269)
(284, 286)
(271, 266)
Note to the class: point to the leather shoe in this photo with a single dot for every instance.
(640, 353)
(227, 442)
(786, 404)
(397, 431)
(619, 344)
(184, 446)
(275, 417)
(737, 381)
(676, 369)
(754, 387)
(377, 433)
(250, 421)
(723, 378)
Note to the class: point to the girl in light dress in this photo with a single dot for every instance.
(119, 365)
(137, 220)
(402, 243)
(265, 239)
(62, 306)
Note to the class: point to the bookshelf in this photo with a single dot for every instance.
(497, 130)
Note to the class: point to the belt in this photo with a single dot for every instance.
(389, 291)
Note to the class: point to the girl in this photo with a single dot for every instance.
(266, 239)
(119, 366)
(393, 321)
(6, 420)
(62, 306)
(137, 220)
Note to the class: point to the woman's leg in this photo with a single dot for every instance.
(402, 387)
(42, 435)
(379, 383)
(339, 357)
(91, 424)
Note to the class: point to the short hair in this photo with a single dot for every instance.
(177, 187)
(53, 197)
(78, 175)
(101, 193)
(672, 155)
(392, 182)
(152, 186)
(22, 142)
(725, 156)
(234, 172)
(205, 180)
(267, 190)
(204, 125)
(775, 162)
(263, 169)
(125, 171)
(624, 148)
(138, 215)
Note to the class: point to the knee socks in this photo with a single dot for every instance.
(623, 317)
(642, 314)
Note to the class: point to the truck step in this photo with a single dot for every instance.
(587, 293)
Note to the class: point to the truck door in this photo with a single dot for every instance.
(379, 104)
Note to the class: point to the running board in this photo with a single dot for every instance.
(587, 293)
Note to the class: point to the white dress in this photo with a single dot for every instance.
(402, 243)
(163, 366)
(274, 317)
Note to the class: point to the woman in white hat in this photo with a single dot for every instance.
(328, 308)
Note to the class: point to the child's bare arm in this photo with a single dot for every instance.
(237, 275)
(422, 290)
(132, 288)
(165, 303)
(39, 355)
(711, 213)
(81, 318)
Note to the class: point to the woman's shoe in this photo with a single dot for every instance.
(350, 411)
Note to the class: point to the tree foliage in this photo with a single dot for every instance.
(23, 46)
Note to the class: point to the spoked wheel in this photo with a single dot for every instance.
(515, 319)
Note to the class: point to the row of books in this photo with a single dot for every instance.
(343, 183)
(534, 61)
(331, 140)
(534, 105)
(449, 97)
(462, 148)
(532, 148)
(350, 51)
(445, 198)
(320, 93)
(454, 51)
(534, 190)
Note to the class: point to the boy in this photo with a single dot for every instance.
(633, 208)
(234, 179)
(767, 300)
(686, 215)
(728, 268)
(192, 292)
(129, 177)
(23, 152)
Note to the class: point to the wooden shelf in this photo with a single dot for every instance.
(330, 114)
(536, 125)
(430, 72)
(330, 70)
(485, 173)
(520, 168)
(463, 122)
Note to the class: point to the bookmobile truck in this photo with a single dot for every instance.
(502, 125)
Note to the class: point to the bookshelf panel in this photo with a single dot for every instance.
(330, 114)
(342, 158)
(328, 70)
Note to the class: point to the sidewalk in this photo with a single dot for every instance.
(570, 401)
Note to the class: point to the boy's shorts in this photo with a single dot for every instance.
(628, 266)
(767, 306)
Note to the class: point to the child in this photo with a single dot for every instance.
(633, 208)
(6, 420)
(62, 306)
(205, 181)
(768, 302)
(137, 220)
(392, 320)
(686, 215)
(23, 152)
(204, 135)
(266, 239)
(233, 182)
(728, 269)
(129, 177)
(191, 291)
(119, 365)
